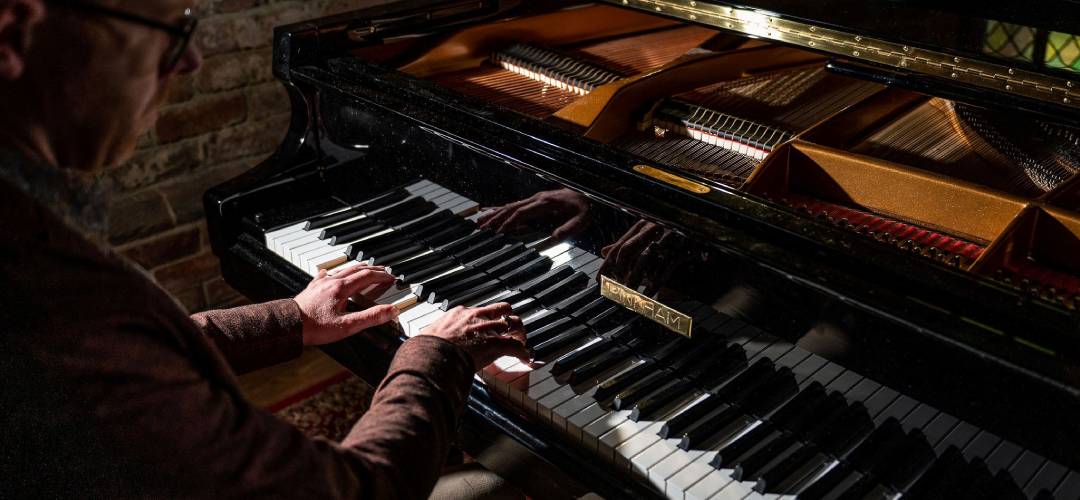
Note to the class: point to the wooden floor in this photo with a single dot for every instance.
(271, 385)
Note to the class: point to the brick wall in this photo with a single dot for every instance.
(213, 126)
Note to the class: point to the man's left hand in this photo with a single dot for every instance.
(323, 304)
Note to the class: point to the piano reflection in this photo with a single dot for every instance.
(771, 250)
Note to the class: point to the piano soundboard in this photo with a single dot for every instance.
(735, 413)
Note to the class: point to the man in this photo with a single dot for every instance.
(110, 390)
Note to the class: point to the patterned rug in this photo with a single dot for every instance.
(328, 408)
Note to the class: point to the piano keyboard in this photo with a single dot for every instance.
(734, 413)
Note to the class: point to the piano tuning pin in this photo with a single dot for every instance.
(957, 260)
(864, 229)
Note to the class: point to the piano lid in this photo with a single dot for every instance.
(1020, 54)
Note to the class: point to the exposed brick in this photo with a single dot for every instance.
(234, 69)
(138, 215)
(226, 6)
(267, 99)
(191, 298)
(157, 164)
(185, 194)
(164, 248)
(188, 273)
(225, 34)
(219, 293)
(249, 139)
(180, 89)
(201, 115)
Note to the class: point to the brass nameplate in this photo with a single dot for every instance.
(670, 178)
(671, 319)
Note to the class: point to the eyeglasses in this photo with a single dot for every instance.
(180, 32)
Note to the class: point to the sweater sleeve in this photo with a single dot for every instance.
(255, 336)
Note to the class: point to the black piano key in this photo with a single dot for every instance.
(748, 380)
(438, 281)
(858, 489)
(780, 388)
(471, 295)
(580, 298)
(444, 236)
(410, 215)
(831, 406)
(406, 268)
(822, 410)
(356, 233)
(453, 284)
(400, 257)
(759, 389)
(612, 386)
(841, 434)
(783, 473)
(407, 206)
(933, 483)
(428, 224)
(874, 449)
(544, 333)
(374, 244)
(331, 219)
(480, 249)
(750, 467)
(827, 483)
(390, 248)
(1003, 487)
(534, 323)
(528, 307)
(610, 316)
(545, 349)
(497, 257)
(358, 209)
(627, 397)
(530, 270)
(729, 362)
(293, 213)
(345, 231)
(558, 291)
(967, 480)
(598, 365)
(516, 262)
(803, 402)
(574, 359)
(592, 308)
(427, 273)
(909, 462)
(453, 247)
(545, 280)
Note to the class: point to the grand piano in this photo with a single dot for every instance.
(766, 249)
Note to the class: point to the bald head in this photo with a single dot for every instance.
(78, 85)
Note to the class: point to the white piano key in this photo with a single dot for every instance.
(1003, 456)
(1069, 488)
(1025, 466)
(688, 476)
(627, 450)
(610, 440)
(712, 484)
(642, 462)
(576, 424)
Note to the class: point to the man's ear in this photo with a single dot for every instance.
(17, 20)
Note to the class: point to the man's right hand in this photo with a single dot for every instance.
(486, 333)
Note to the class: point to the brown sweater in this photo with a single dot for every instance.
(111, 390)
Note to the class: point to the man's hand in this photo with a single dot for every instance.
(564, 208)
(323, 303)
(486, 333)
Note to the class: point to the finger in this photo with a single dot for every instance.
(508, 347)
(372, 316)
(320, 275)
(486, 213)
(571, 227)
(355, 282)
(521, 216)
(355, 269)
(493, 310)
(490, 326)
(632, 249)
(377, 290)
(503, 212)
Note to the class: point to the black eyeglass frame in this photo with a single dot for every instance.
(181, 32)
